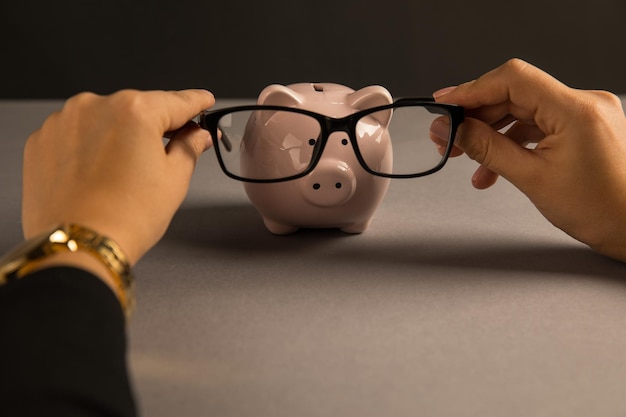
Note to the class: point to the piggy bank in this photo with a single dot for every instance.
(338, 193)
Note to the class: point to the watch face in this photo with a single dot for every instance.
(32, 249)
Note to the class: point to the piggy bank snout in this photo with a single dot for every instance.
(331, 183)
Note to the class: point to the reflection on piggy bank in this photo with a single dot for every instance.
(338, 193)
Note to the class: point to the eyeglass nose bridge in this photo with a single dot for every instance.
(329, 126)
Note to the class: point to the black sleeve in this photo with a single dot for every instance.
(62, 347)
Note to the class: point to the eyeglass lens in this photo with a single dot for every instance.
(275, 144)
(268, 144)
(410, 137)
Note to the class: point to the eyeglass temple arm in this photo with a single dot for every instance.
(423, 101)
(414, 99)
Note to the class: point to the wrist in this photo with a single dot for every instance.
(74, 245)
(608, 238)
(79, 259)
(615, 250)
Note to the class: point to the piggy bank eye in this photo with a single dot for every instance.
(312, 142)
(344, 142)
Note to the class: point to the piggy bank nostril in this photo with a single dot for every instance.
(344, 141)
(317, 185)
(311, 142)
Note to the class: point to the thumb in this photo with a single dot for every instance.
(187, 144)
(190, 139)
(495, 151)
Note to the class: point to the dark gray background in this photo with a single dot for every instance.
(235, 48)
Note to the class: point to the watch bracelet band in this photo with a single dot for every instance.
(72, 238)
(109, 252)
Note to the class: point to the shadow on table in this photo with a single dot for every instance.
(239, 231)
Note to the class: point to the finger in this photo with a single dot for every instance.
(439, 134)
(495, 151)
(183, 152)
(496, 114)
(190, 140)
(524, 133)
(496, 120)
(442, 146)
(516, 88)
(484, 178)
(178, 107)
(162, 111)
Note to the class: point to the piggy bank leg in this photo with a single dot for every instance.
(278, 228)
(356, 227)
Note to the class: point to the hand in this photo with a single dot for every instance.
(576, 173)
(101, 162)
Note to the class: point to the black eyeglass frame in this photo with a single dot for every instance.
(209, 120)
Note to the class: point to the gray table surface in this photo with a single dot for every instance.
(456, 302)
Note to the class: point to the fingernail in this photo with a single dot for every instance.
(475, 178)
(209, 93)
(443, 91)
(441, 128)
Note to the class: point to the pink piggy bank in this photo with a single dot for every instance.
(338, 193)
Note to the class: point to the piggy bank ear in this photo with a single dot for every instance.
(372, 96)
(279, 95)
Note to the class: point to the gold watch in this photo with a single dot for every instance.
(71, 238)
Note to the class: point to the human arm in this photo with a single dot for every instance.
(576, 173)
(63, 347)
(99, 162)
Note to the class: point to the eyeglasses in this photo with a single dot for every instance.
(263, 143)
